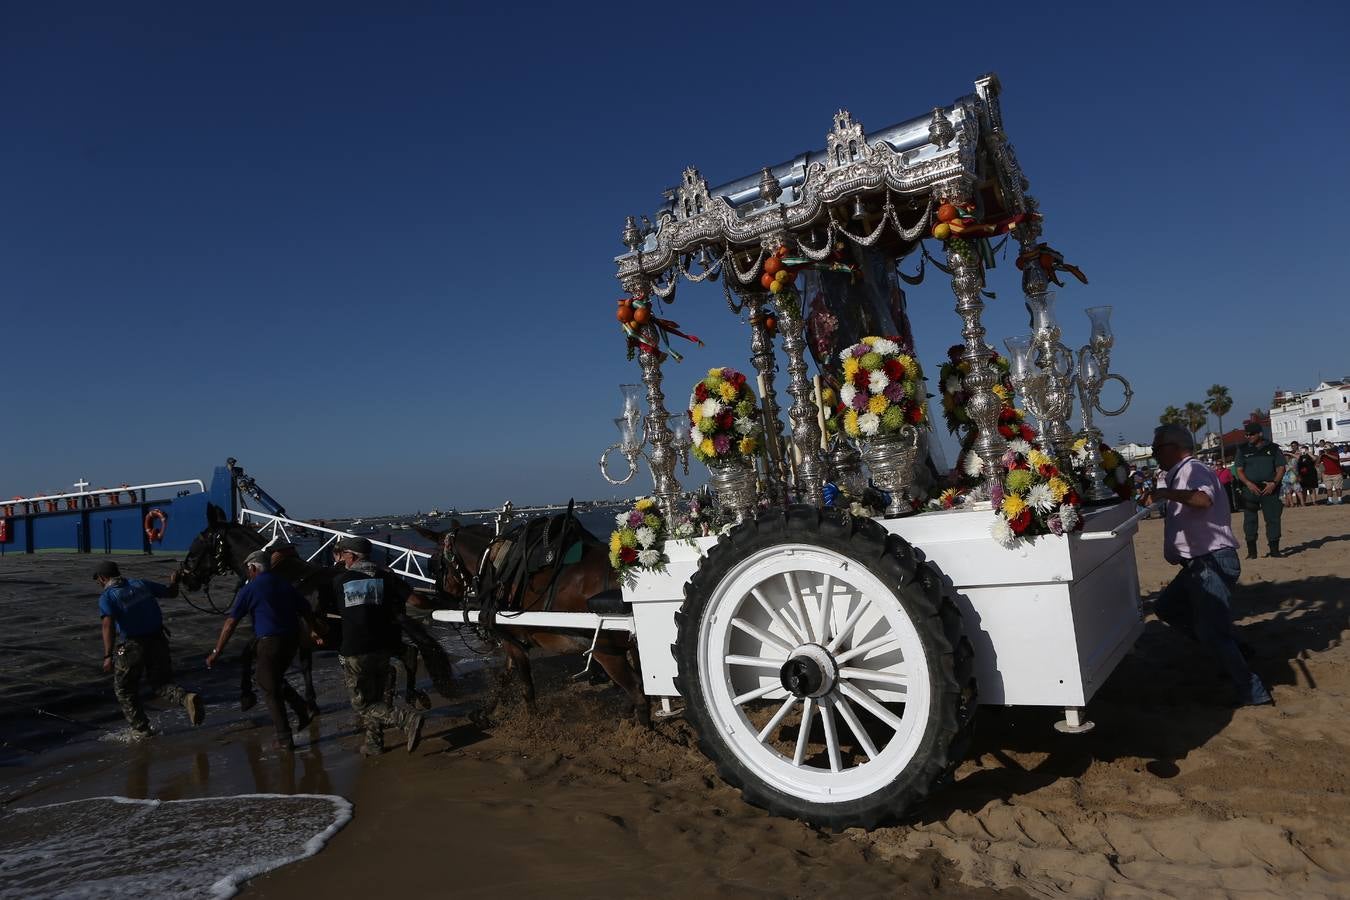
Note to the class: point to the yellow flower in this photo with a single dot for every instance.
(628, 538)
(850, 368)
(615, 544)
(869, 340)
(851, 423)
(1013, 506)
(1001, 392)
(1080, 445)
(714, 373)
(749, 445)
(908, 362)
(706, 448)
(1038, 459)
(827, 396)
(645, 504)
(878, 404)
(696, 413)
(1021, 413)
(728, 391)
(1058, 488)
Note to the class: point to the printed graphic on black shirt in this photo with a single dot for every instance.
(363, 592)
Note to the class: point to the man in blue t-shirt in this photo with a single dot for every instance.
(135, 645)
(277, 609)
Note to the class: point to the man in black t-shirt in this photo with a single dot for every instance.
(371, 602)
(1306, 468)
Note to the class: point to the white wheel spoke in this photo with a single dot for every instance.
(764, 636)
(808, 707)
(826, 612)
(777, 717)
(847, 714)
(892, 678)
(755, 662)
(831, 738)
(871, 704)
(756, 694)
(798, 607)
(867, 647)
(847, 628)
(776, 616)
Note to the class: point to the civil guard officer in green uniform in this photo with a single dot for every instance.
(1260, 466)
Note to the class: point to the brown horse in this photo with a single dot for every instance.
(587, 585)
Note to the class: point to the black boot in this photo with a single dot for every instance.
(1251, 549)
(1274, 549)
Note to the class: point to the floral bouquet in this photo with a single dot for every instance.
(1032, 496)
(639, 540)
(724, 418)
(1117, 473)
(881, 389)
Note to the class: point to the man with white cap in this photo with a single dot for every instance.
(372, 601)
(277, 609)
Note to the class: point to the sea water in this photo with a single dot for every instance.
(118, 846)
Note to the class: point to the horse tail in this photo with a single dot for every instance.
(437, 660)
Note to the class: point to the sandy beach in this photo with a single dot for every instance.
(1173, 793)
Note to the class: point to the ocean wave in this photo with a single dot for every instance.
(118, 846)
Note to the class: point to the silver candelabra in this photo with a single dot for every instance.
(637, 435)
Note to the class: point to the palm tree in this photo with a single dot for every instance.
(1170, 416)
(1193, 417)
(1219, 405)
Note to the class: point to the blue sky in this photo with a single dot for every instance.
(370, 254)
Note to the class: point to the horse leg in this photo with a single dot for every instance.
(306, 660)
(518, 661)
(627, 677)
(247, 699)
(411, 695)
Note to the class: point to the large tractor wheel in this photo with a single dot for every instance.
(823, 669)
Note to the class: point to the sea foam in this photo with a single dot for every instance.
(118, 846)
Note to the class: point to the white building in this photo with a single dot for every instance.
(1322, 413)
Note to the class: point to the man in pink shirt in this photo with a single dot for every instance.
(1198, 536)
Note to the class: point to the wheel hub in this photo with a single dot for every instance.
(809, 672)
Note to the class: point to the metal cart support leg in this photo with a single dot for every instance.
(1073, 722)
(666, 711)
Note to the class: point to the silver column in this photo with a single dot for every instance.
(661, 457)
(802, 413)
(762, 357)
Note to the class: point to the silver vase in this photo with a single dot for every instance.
(845, 468)
(733, 483)
(890, 459)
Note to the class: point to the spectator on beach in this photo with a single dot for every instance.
(1259, 467)
(1197, 536)
(372, 601)
(1306, 469)
(140, 647)
(277, 609)
(1289, 493)
(1330, 462)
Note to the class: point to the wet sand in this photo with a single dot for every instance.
(1173, 794)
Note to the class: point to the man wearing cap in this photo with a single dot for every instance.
(372, 602)
(1259, 467)
(277, 609)
(135, 645)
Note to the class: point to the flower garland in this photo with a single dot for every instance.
(881, 389)
(724, 417)
(638, 541)
(1117, 473)
(1032, 496)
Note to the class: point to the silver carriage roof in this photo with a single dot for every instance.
(958, 150)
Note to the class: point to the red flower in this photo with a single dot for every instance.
(1048, 471)
(1028, 433)
(840, 408)
(1021, 521)
(737, 380)
(628, 555)
(700, 392)
(1020, 463)
(895, 369)
(1072, 497)
(725, 421)
(914, 413)
(1006, 431)
(1007, 414)
(860, 379)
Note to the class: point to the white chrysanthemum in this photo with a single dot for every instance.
(745, 426)
(974, 466)
(951, 385)
(1017, 445)
(846, 354)
(650, 558)
(847, 393)
(621, 520)
(1069, 516)
(1040, 497)
(710, 408)
(877, 381)
(646, 536)
(684, 530)
(868, 423)
(1002, 532)
(885, 346)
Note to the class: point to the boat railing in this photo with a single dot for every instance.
(403, 561)
(86, 499)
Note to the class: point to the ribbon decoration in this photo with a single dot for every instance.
(1050, 260)
(664, 329)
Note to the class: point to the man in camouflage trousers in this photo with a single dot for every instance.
(371, 601)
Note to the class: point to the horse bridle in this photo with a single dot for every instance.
(468, 581)
(218, 566)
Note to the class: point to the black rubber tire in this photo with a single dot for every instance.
(918, 588)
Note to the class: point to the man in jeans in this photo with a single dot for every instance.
(1197, 537)
(130, 610)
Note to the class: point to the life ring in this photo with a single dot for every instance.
(155, 532)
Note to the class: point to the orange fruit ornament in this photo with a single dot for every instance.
(641, 315)
(770, 323)
(625, 314)
(766, 281)
(772, 265)
(946, 212)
